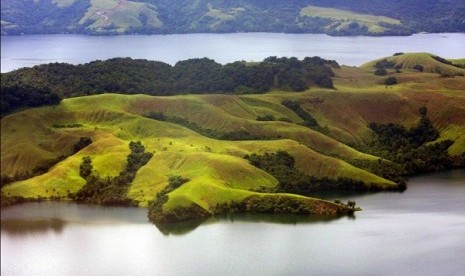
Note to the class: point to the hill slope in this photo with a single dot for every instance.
(204, 138)
(181, 16)
(423, 62)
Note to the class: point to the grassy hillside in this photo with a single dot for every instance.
(428, 62)
(345, 22)
(216, 169)
(120, 16)
(113, 124)
(376, 17)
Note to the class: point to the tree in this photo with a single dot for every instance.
(17, 96)
(390, 81)
(85, 169)
(82, 143)
(418, 67)
(381, 72)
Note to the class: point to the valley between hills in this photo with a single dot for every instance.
(198, 155)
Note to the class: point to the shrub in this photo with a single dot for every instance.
(112, 190)
(156, 116)
(390, 81)
(82, 143)
(309, 120)
(266, 118)
(385, 64)
(418, 68)
(381, 72)
(85, 169)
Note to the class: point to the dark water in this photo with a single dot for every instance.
(29, 50)
(418, 232)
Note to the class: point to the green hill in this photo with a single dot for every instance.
(347, 22)
(423, 62)
(188, 137)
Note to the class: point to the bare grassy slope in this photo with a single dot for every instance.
(426, 60)
(177, 151)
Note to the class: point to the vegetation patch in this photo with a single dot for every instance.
(15, 97)
(279, 204)
(67, 126)
(390, 81)
(422, 62)
(211, 133)
(448, 62)
(309, 120)
(281, 165)
(413, 150)
(128, 76)
(111, 190)
(266, 118)
(344, 22)
(157, 214)
(45, 166)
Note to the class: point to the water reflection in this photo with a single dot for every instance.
(183, 228)
(347, 194)
(277, 218)
(20, 227)
(418, 232)
(180, 228)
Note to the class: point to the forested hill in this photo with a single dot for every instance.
(334, 17)
(46, 84)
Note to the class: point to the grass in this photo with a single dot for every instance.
(218, 14)
(345, 18)
(430, 65)
(216, 168)
(119, 15)
(178, 151)
(231, 113)
(346, 15)
(457, 61)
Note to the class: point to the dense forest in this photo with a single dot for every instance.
(47, 84)
(183, 16)
(14, 97)
(408, 151)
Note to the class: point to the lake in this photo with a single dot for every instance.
(30, 50)
(418, 232)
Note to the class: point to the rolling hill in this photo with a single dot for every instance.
(216, 170)
(425, 62)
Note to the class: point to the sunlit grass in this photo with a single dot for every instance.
(119, 15)
(217, 171)
(345, 18)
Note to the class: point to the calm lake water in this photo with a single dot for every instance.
(418, 232)
(29, 50)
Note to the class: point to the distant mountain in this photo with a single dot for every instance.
(334, 17)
